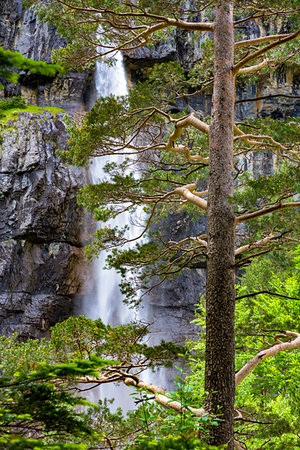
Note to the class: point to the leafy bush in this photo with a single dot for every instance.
(171, 443)
(12, 102)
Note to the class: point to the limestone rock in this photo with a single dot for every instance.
(21, 31)
(42, 265)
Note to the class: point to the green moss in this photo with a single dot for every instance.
(13, 113)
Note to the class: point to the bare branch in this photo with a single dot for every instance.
(265, 49)
(180, 125)
(253, 68)
(263, 241)
(161, 398)
(266, 210)
(187, 192)
(260, 40)
(253, 294)
(277, 348)
(265, 97)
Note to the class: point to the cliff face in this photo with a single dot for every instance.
(42, 229)
(21, 31)
(42, 266)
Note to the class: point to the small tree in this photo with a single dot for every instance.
(178, 145)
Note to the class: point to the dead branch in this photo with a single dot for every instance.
(187, 192)
(265, 97)
(253, 294)
(180, 125)
(255, 244)
(262, 355)
(265, 49)
(161, 398)
(254, 68)
(260, 40)
(267, 210)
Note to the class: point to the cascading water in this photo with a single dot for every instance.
(107, 301)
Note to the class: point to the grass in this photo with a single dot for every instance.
(12, 114)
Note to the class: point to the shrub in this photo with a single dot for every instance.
(12, 102)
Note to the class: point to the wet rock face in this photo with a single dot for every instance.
(42, 266)
(10, 15)
(170, 306)
(38, 192)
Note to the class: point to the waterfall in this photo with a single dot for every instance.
(106, 301)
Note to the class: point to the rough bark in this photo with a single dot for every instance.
(220, 295)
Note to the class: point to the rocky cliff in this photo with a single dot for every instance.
(42, 229)
(21, 31)
(42, 266)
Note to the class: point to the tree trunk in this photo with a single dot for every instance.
(220, 293)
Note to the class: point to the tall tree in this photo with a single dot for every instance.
(143, 125)
(220, 293)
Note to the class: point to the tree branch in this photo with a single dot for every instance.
(253, 294)
(180, 124)
(265, 97)
(248, 138)
(260, 40)
(277, 348)
(266, 210)
(187, 192)
(265, 49)
(161, 398)
(253, 68)
(256, 243)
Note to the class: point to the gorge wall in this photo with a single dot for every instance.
(42, 230)
(42, 266)
(21, 31)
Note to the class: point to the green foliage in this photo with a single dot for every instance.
(11, 103)
(14, 60)
(31, 403)
(270, 394)
(38, 379)
(171, 443)
(16, 356)
(268, 398)
(79, 337)
(12, 442)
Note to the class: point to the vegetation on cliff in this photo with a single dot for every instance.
(10, 61)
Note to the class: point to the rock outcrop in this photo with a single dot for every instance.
(42, 266)
(21, 31)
